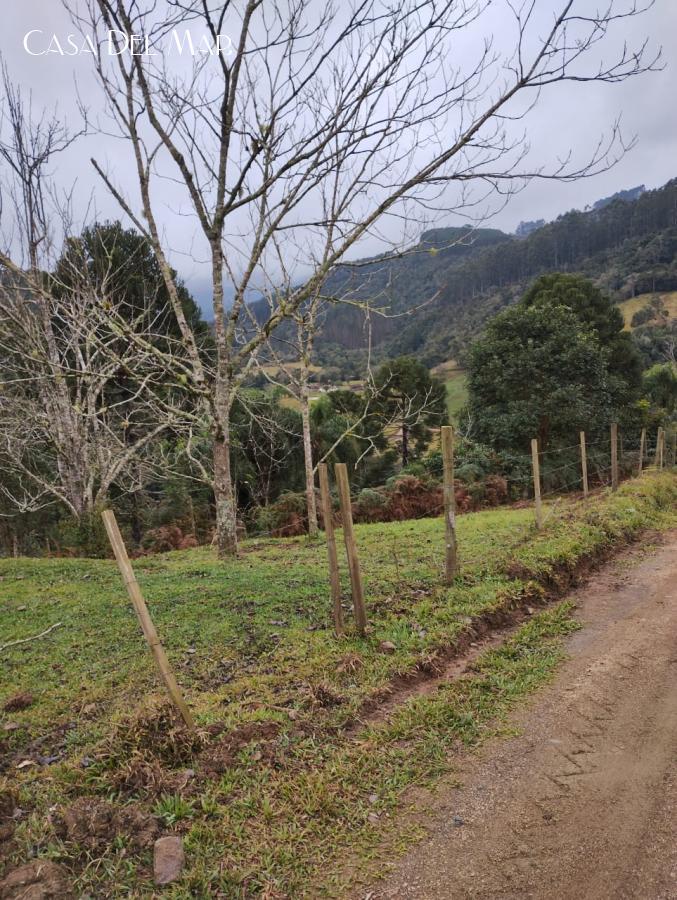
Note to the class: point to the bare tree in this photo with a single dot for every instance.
(72, 423)
(386, 105)
(72, 420)
(286, 361)
(296, 368)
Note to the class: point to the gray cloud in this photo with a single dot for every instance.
(571, 116)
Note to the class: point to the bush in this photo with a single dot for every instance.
(287, 517)
(433, 464)
(643, 315)
(404, 497)
(68, 537)
(413, 498)
(371, 506)
(166, 538)
(415, 469)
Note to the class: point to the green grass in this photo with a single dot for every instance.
(224, 624)
(456, 383)
(250, 644)
(457, 394)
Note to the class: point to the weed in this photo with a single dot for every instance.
(172, 808)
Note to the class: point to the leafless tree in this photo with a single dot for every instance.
(287, 362)
(296, 382)
(69, 425)
(72, 423)
(384, 106)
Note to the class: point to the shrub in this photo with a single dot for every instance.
(287, 517)
(166, 538)
(433, 464)
(412, 498)
(643, 315)
(371, 506)
(85, 538)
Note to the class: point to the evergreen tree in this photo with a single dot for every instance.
(405, 393)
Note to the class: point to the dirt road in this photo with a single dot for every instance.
(584, 803)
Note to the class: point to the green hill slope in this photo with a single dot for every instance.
(627, 247)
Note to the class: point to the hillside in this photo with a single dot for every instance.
(398, 284)
(403, 283)
(632, 306)
(629, 247)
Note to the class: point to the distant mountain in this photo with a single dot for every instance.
(524, 229)
(626, 196)
(628, 246)
(399, 284)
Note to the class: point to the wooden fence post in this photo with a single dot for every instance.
(642, 445)
(657, 457)
(351, 549)
(143, 615)
(662, 456)
(451, 555)
(614, 456)
(537, 482)
(334, 578)
(584, 465)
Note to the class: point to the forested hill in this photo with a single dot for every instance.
(627, 247)
(400, 284)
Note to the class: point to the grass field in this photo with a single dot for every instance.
(630, 307)
(456, 384)
(457, 395)
(308, 782)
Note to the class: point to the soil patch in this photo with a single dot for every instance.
(39, 880)
(482, 632)
(8, 808)
(18, 702)
(93, 824)
(220, 756)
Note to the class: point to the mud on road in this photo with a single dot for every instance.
(583, 804)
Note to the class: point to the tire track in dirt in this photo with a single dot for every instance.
(584, 803)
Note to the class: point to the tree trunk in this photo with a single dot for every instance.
(224, 497)
(137, 533)
(191, 509)
(311, 503)
(405, 444)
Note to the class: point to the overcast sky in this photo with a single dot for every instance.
(568, 116)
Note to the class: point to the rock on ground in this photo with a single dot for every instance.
(168, 859)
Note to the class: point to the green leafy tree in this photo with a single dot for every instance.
(605, 320)
(660, 386)
(656, 342)
(342, 430)
(266, 452)
(538, 371)
(407, 395)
